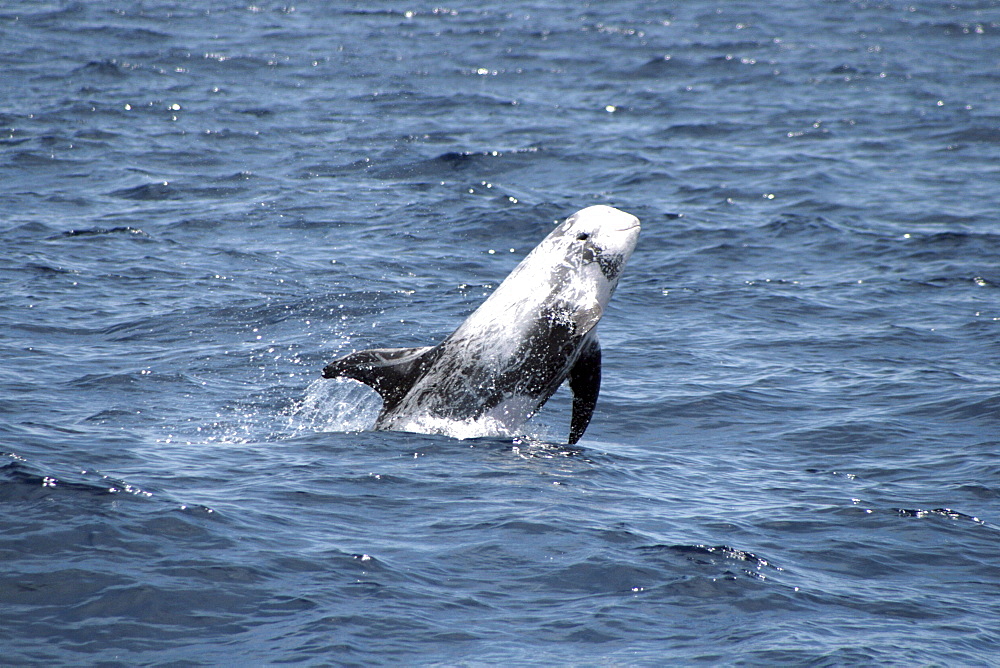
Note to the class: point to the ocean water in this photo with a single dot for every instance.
(795, 459)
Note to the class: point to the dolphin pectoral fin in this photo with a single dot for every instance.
(586, 319)
(585, 382)
(389, 371)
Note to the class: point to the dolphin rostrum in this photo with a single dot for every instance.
(536, 330)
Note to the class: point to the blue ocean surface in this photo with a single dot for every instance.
(795, 458)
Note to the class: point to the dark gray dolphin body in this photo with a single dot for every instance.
(503, 363)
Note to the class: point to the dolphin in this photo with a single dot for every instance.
(536, 330)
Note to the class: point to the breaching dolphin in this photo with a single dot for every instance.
(537, 329)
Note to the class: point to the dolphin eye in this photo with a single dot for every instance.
(583, 236)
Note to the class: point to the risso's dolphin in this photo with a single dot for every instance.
(536, 330)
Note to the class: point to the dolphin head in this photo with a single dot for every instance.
(576, 266)
(600, 237)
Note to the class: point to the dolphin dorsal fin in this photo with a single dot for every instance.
(585, 381)
(389, 371)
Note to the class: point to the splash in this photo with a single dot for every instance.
(338, 404)
(346, 405)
